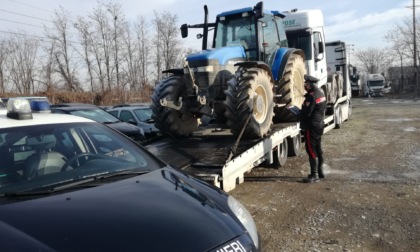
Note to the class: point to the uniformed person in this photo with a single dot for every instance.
(312, 123)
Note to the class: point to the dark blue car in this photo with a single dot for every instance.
(71, 184)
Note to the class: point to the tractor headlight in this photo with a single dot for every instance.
(245, 217)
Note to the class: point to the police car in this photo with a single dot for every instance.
(68, 183)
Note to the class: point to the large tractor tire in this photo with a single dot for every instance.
(249, 103)
(290, 89)
(332, 93)
(170, 121)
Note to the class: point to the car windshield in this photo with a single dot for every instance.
(42, 157)
(98, 115)
(144, 115)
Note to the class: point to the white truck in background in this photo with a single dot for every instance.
(326, 61)
(375, 84)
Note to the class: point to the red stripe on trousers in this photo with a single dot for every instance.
(308, 142)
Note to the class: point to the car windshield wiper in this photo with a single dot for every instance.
(88, 181)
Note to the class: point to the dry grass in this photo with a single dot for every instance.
(105, 98)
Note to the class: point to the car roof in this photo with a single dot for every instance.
(74, 106)
(146, 105)
(40, 119)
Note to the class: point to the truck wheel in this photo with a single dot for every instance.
(249, 95)
(339, 85)
(290, 89)
(280, 154)
(294, 145)
(168, 120)
(332, 93)
(355, 93)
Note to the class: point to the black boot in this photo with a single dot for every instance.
(320, 168)
(313, 177)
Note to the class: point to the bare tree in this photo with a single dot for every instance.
(47, 65)
(22, 52)
(85, 38)
(118, 26)
(373, 60)
(3, 55)
(167, 41)
(103, 43)
(144, 44)
(63, 57)
(402, 40)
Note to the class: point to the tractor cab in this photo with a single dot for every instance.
(259, 33)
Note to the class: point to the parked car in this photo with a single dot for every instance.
(3, 102)
(97, 114)
(139, 114)
(68, 183)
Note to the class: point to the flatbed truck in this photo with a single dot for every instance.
(215, 155)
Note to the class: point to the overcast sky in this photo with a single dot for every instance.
(363, 23)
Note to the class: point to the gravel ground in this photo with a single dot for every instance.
(370, 199)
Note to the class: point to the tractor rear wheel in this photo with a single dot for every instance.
(249, 103)
(290, 89)
(170, 121)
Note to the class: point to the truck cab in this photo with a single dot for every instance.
(305, 30)
(326, 61)
(375, 85)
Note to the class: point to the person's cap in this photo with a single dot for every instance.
(310, 79)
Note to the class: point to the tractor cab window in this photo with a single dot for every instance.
(270, 40)
(237, 30)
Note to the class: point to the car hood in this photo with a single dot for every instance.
(158, 211)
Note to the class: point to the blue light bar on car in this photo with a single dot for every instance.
(40, 106)
(19, 109)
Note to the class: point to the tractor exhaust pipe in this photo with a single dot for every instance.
(205, 27)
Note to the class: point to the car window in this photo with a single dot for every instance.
(98, 115)
(114, 113)
(35, 157)
(143, 114)
(126, 116)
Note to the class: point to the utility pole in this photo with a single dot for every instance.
(415, 46)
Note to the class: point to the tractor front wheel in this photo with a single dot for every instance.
(170, 121)
(249, 103)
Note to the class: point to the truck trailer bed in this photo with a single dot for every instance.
(208, 153)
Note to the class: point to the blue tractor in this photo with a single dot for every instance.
(248, 79)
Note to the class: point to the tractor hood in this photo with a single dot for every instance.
(157, 211)
(220, 55)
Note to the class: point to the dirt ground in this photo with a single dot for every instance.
(370, 199)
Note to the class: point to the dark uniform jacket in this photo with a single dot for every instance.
(313, 111)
